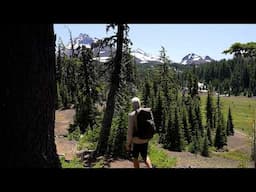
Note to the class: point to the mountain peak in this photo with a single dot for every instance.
(105, 52)
(193, 58)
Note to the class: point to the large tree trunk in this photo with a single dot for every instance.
(28, 102)
(115, 81)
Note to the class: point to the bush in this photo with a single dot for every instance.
(89, 139)
(74, 163)
(74, 132)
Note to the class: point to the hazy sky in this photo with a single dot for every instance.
(178, 39)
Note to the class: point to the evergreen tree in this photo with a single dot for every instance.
(163, 128)
(177, 142)
(169, 136)
(210, 109)
(119, 137)
(199, 117)
(158, 114)
(120, 39)
(220, 137)
(209, 133)
(28, 97)
(230, 126)
(146, 93)
(194, 90)
(205, 151)
(85, 114)
(187, 132)
(194, 145)
(166, 80)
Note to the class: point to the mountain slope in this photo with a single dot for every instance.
(193, 58)
(104, 54)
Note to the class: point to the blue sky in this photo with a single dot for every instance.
(178, 39)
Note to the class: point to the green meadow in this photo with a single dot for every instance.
(243, 111)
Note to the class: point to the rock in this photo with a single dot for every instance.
(100, 158)
(86, 157)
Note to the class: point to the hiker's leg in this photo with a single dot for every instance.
(135, 153)
(144, 154)
(148, 162)
(136, 163)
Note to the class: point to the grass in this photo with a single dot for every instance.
(74, 163)
(243, 111)
(240, 156)
(158, 156)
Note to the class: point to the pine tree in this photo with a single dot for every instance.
(177, 141)
(210, 109)
(169, 136)
(28, 95)
(163, 128)
(220, 137)
(198, 116)
(165, 78)
(205, 151)
(118, 145)
(195, 86)
(187, 132)
(192, 118)
(120, 39)
(85, 114)
(230, 126)
(209, 133)
(194, 145)
(158, 114)
(146, 93)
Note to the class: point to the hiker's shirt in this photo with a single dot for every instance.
(131, 129)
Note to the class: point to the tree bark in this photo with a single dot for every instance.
(28, 102)
(114, 86)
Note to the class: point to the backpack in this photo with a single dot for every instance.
(145, 128)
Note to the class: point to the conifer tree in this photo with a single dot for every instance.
(209, 109)
(177, 141)
(220, 137)
(119, 138)
(209, 133)
(230, 126)
(146, 93)
(195, 145)
(199, 117)
(205, 150)
(120, 39)
(158, 114)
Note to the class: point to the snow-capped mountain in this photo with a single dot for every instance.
(193, 58)
(143, 57)
(82, 39)
(104, 54)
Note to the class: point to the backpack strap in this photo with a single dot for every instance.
(136, 121)
(135, 127)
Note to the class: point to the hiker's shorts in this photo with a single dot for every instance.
(141, 149)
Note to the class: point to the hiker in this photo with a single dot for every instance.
(135, 144)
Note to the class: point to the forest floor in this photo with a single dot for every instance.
(238, 145)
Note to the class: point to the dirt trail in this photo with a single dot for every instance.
(122, 163)
(65, 147)
(238, 142)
